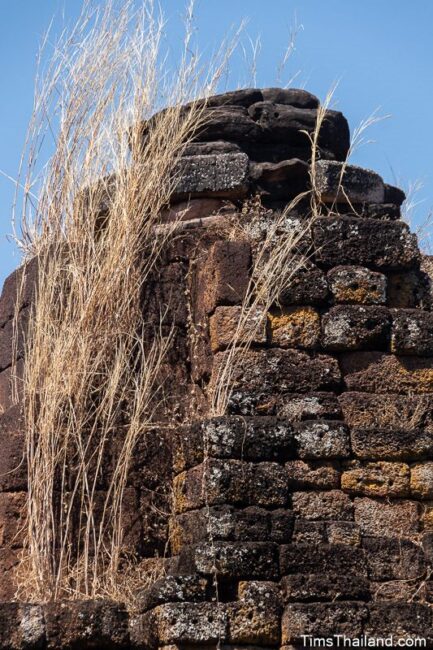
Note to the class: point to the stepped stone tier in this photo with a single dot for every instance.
(307, 507)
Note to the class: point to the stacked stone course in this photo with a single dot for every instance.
(306, 508)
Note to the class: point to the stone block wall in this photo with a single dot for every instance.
(306, 509)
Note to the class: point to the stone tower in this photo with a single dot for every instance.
(306, 509)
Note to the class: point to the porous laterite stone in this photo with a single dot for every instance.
(379, 479)
(353, 327)
(234, 325)
(296, 327)
(357, 284)
(387, 518)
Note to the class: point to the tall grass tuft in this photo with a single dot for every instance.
(90, 213)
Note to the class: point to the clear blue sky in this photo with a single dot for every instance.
(380, 50)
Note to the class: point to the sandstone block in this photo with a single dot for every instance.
(322, 439)
(12, 518)
(224, 277)
(321, 559)
(11, 380)
(196, 209)
(393, 559)
(327, 587)
(21, 286)
(353, 327)
(364, 242)
(242, 560)
(230, 326)
(393, 445)
(306, 286)
(379, 479)
(376, 372)
(295, 327)
(13, 470)
(12, 339)
(322, 620)
(261, 377)
(311, 475)
(357, 284)
(412, 332)
(341, 182)
(334, 505)
(388, 519)
(221, 175)
(421, 480)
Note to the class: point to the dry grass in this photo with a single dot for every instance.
(92, 221)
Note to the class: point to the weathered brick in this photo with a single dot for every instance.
(321, 559)
(232, 325)
(341, 182)
(364, 242)
(295, 327)
(393, 559)
(412, 332)
(333, 504)
(312, 475)
(322, 439)
(377, 372)
(389, 519)
(379, 479)
(261, 377)
(357, 284)
(356, 327)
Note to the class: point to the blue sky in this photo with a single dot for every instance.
(381, 51)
